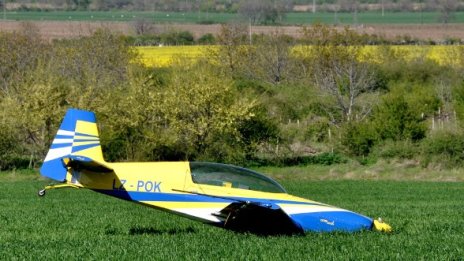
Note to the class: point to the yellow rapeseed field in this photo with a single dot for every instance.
(161, 56)
(444, 55)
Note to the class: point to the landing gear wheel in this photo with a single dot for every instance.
(41, 193)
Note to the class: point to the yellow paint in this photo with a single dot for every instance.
(86, 127)
(94, 153)
(81, 143)
(79, 137)
(89, 128)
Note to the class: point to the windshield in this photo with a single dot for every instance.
(233, 177)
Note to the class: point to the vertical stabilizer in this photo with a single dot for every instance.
(77, 136)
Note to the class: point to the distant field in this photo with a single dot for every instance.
(443, 55)
(166, 55)
(80, 224)
(201, 17)
(120, 16)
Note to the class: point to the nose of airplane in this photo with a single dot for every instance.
(380, 226)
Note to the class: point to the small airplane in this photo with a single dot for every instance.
(223, 195)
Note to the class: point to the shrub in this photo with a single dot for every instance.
(177, 38)
(318, 130)
(326, 158)
(256, 131)
(444, 148)
(458, 97)
(10, 150)
(207, 39)
(395, 119)
(359, 138)
(397, 149)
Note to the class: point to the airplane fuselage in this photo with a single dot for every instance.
(169, 186)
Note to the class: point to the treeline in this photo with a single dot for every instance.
(186, 112)
(246, 102)
(147, 35)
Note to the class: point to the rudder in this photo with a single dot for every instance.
(77, 136)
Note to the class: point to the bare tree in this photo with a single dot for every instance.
(335, 9)
(339, 73)
(231, 49)
(142, 26)
(345, 79)
(262, 11)
(252, 10)
(447, 9)
(350, 6)
(270, 59)
(405, 5)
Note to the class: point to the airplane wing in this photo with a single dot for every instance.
(84, 163)
(257, 217)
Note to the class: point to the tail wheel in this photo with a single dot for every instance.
(41, 193)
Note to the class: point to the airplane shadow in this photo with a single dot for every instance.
(154, 231)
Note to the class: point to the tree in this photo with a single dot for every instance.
(16, 58)
(252, 10)
(339, 73)
(447, 9)
(350, 6)
(40, 85)
(142, 26)
(202, 112)
(270, 60)
(231, 49)
(81, 4)
(92, 62)
(395, 119)
(262, 11)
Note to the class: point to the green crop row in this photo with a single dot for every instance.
(371, 17)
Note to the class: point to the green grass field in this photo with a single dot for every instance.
(427, 218)
(195, 17)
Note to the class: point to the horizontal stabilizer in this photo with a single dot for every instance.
(84, 163)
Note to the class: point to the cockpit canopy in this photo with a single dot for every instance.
(223, 175)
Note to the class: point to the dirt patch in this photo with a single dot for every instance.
(437, 32)
(69, 29)
(50, 30)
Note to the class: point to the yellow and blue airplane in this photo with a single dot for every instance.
(218, 194)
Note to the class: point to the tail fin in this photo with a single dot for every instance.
(77, 136)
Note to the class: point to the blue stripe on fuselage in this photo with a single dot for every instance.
(178, 197)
